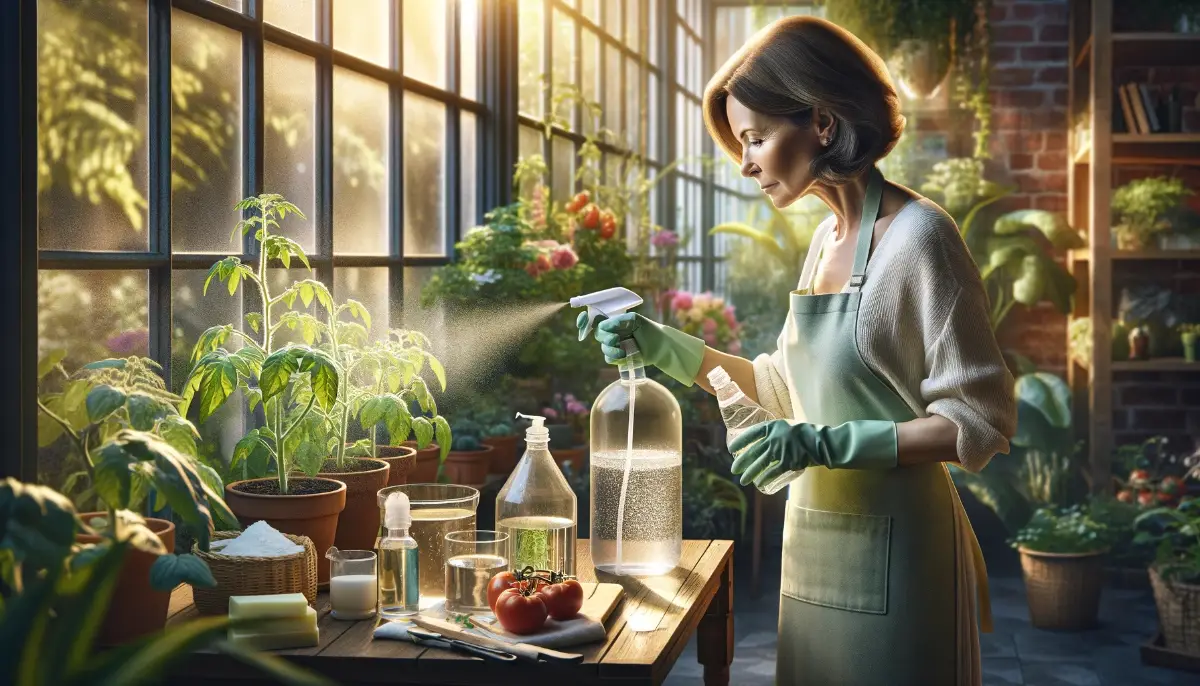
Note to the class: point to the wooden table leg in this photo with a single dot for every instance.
(714, 640)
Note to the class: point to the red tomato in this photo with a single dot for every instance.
(1138, 477)
(1146, 498)
(520, 613)
(607, 231)
(577, 203)
(1125, 496)
(1171, 485)
(1165, 498)
(592, 219)
(499, 584)
(562, 600)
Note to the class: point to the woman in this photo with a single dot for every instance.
(886, 367)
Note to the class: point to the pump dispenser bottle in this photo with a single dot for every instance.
(399, 577)
(537, 508)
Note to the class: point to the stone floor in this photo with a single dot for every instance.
(1016, 653)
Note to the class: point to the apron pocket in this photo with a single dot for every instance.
(836, 559)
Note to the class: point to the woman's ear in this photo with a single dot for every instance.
(825, 125)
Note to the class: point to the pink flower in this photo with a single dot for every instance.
(576, 407)
(569, 398)
(132, 342)
(664, 300)
(735, 348)
(731, 316)
(550, 413)
(665, 239)
(710, 339)
(709, 327)
(563, 258)
(681, 301)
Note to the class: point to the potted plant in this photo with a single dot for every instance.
(499, 432)
(1175, 573)
(1062, 561)
(285, 381)
(57, 594)
(1189, 334)
(1144, 208)
(469, 460)
(124, 425)
(568, 420)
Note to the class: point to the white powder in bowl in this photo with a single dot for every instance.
(260, 540)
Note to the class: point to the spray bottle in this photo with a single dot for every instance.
(537, 508)
(399, 562)
(636, 460)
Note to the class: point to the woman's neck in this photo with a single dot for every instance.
(845, 201)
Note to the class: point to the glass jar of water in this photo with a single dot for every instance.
(636, 475)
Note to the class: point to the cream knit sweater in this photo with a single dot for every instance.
(924, 327)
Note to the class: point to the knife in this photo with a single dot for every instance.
(524, 651)
(421, 637)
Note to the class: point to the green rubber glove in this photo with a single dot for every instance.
(764, 451)
(676, 353)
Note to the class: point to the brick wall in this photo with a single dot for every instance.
(1157, 404)
(1029, 142)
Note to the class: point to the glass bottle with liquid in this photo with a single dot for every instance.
(739, 413)
(537, 508)
(636, 474)
(399, 562)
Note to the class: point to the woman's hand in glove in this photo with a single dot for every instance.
(767, 450)
(676, 353)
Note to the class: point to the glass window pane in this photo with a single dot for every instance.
(468, 169)
(633, 105)
(235, 5)
(369, 286)
(591, 10)
(297, 16)
(206, 116)
(529, 142)
(563, 61)
(529, 59)
(424, 176)
(92, 60)
(412, 316)
(612, 90)
(363, 28)
(652, 123)
(589, 77)
(652, 29)
(612, 18)
(360, 164)
(562, 186)
(632, 23)
(289, 164)
(425, 41)
(468, 70)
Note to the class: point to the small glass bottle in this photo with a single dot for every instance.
(399, 571)
(537, 508)
(740, 413)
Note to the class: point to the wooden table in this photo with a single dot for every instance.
(697, 596)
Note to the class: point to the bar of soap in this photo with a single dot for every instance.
(282, 625)
(276, 641)
(264, 606)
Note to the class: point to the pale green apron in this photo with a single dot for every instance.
(868, 592)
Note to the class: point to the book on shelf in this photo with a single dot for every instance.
(1150, 103)
(1139, 108)
(1128, 123)
(1144, 110)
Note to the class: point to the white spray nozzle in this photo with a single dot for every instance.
(609, 302)
(538, 429)
(397, 513)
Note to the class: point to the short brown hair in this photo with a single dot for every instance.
(801, 62)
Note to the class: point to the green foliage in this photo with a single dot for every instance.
(56, 595)
(713, 505)
(1119, 519)
(1175, 533)
(1146, 207)
(467, 435)
(1070, 530)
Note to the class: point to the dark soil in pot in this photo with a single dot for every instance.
(359, 522)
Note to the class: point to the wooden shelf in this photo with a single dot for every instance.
(1161, 364)
(1156, 148)
(1147, 49)
(1085, 256)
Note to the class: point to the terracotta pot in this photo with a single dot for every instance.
(401, 459)
(314, 515)
(578, 457)
(425, 470)
(135, 609)
(358, 523)
(469, 467)
(1063, 589)
(504, 453)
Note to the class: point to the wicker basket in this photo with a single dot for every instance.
(1063, 589)
(1178, 613)
(296, 573)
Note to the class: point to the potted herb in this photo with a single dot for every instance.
(58, 594)
(1062, 561)
(1144, 208)
(1175, 574)
(130, 438)
(1189, 334)
(469, 460)
(286, 382)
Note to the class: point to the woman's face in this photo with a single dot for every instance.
(776, 151)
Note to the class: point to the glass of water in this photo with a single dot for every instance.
(472, 559)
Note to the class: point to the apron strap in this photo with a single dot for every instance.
(866, 229)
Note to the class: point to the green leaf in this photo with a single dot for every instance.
(37, 523)
(1031, 284)
(444, 436)
(310, 457)
(51, 360)
(423, 431)
(1052, 225)
(373, 411)
(102, 401)
(398, 419)
(214, 489)
(170, 570)
(74, 403)
(131, 528)
(254, 320)
(359, 310)
(220, 380)
(179, 433)
(146, 411)
(1049, 395)
(277, 370)
(49, 430)
(323, 377)
(112, 475)
(421, 392)
(176, 478)
(244, 447)
(438, 370)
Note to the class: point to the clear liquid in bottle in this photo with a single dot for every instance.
(399, 581)
(739, 413)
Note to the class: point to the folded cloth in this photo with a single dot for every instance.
(554, 634)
